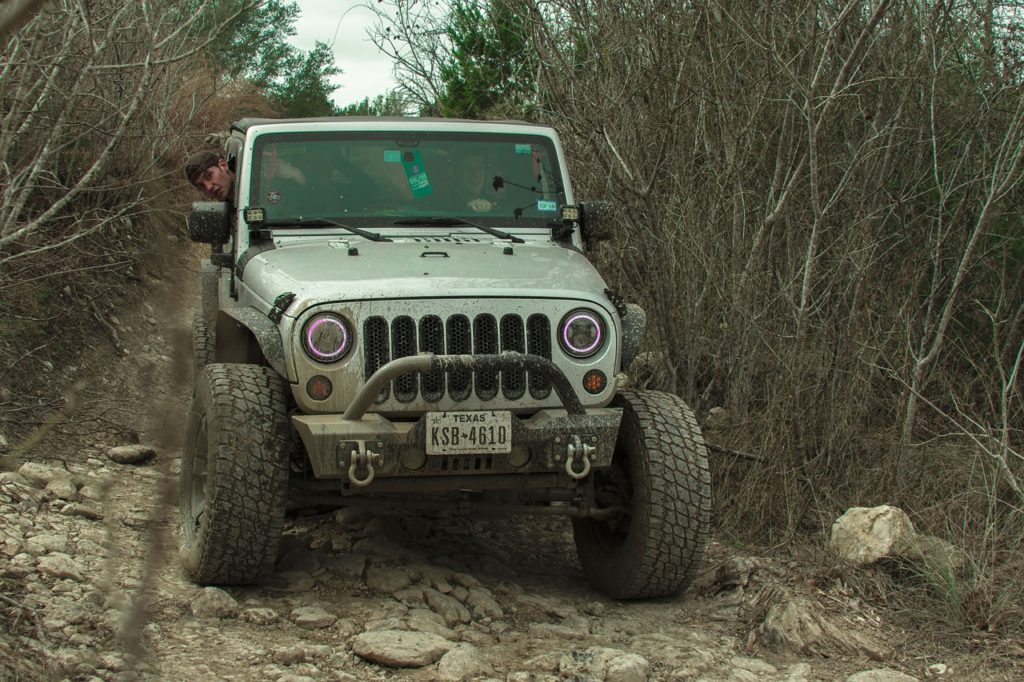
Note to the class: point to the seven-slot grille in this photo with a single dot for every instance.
(384, 341)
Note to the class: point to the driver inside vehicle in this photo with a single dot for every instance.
(475, 182)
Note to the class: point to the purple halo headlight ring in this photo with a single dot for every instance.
(581, 333)
(326, 337)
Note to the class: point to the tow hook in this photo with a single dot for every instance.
(578, 456)
(363, 458)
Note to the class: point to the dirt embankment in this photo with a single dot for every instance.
(90, 587)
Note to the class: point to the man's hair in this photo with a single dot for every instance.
(197, 164)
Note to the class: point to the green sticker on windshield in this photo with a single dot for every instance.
(392, 156)
(546, 205)
(419, 182)
(524, 149)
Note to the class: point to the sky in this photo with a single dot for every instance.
(343, 24)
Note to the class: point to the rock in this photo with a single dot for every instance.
(388, 528)
(259, 616)
(384, 548)
(411, 597)
(213, 602)
(734, 572)
(346, 565)
(45, 543)
(447, 607)
(465, 580)
(13, 478)
(461, 663)
(796, 624)
(312, 617)
(936, 670)
(864, 535)
(40, 475)
(400, 649)
(603, 663)
(289, 655)
(59, 565)
(425, 620)
(628, 668)
(880, 675)
(717, 418)
(131, 454)
(83, 510)
(62, 489)
(754, 665)
(483, 604)
(387, 580)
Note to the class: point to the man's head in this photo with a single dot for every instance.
(209, 173)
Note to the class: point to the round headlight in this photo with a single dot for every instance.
(326, 337)
(580, 333)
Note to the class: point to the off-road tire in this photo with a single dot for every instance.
(660, 473)
(203, 344)
(234, 475)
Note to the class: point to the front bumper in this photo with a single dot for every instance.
(364, 449)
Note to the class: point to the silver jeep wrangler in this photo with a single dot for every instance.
(398, 313)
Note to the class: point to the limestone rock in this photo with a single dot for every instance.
(461, 663)
(447, 607)
(313, 617)
(385, 580)
(880, 675)
(213, 602)
(863, 535)
(62, 489)
(483, 604)
(59, 565)
(131, 454)
(603, 663)
(400, 649)
(259, 616)
(40, 475)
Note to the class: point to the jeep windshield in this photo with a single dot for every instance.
(389, 178)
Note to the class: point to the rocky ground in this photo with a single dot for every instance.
(90, 587)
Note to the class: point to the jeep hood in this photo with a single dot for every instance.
(342, 270)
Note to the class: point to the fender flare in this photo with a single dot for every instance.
(247, 336)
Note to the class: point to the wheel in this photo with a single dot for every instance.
(234, 474)
(203, 348)
(659, 474)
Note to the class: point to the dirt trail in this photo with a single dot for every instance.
(92, 590)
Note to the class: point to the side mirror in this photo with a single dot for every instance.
(595, 220)
(208, 222)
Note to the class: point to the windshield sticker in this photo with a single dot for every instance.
(392, 156)
(524, 149)
(547, 205)
(273, 197)
(419, 182)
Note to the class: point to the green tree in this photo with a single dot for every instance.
(388, 104)
(491, 66)
(256, 48)
(304, 88)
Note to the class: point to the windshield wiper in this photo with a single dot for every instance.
(321, 222)
(449, 222)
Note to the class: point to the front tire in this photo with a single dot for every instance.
(659, 473)
(234, 475)
(203, 344)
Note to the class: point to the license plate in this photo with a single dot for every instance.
(464, 433)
